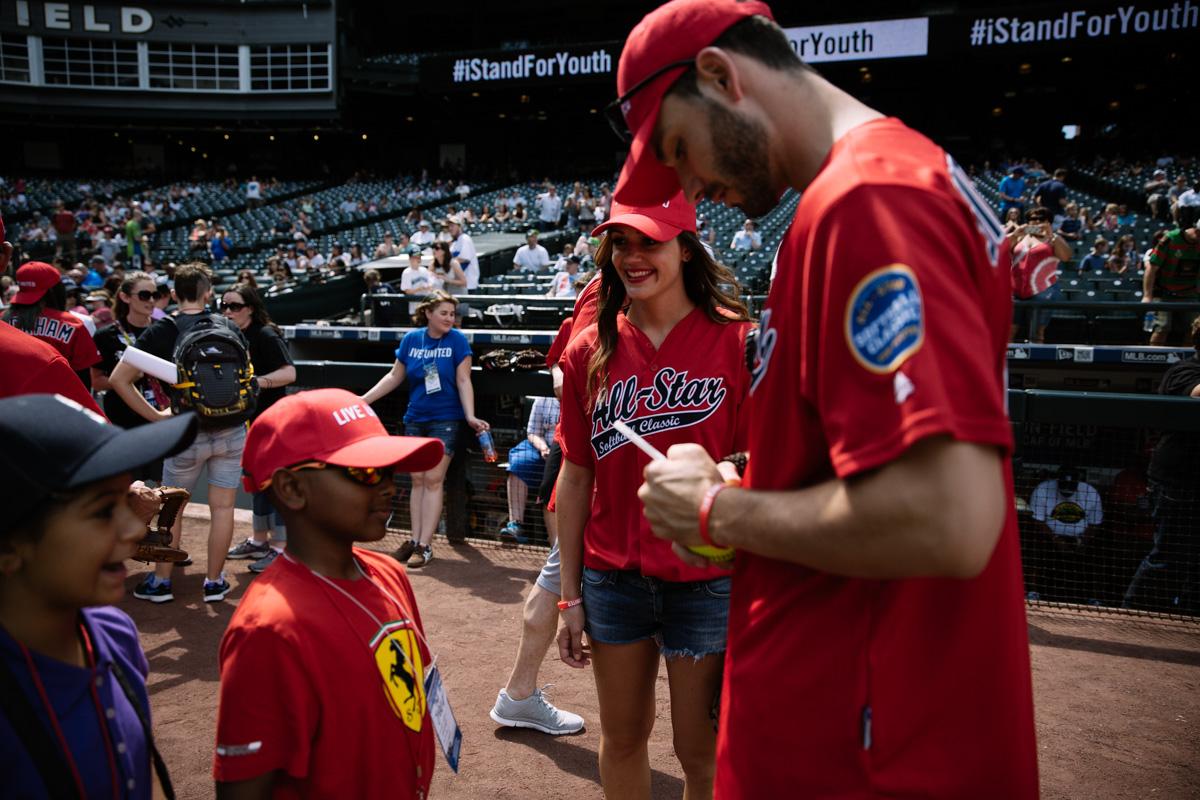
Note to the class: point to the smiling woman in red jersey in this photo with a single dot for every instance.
(665, 358)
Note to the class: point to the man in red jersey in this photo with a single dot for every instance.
(877, 636)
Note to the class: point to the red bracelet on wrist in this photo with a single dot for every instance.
(706, 508)
(563, 605)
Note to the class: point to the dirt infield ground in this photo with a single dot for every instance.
(1118, 699)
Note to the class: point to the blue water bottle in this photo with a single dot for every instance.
(487, 446)
(1148, 322)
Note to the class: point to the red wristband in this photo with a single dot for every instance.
(563, 605)
(706, 508)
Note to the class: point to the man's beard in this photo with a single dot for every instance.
(740, 150)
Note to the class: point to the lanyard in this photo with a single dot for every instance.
(378, 623)
(408, 619)
(62, 739)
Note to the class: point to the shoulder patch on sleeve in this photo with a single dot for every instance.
(885, 321)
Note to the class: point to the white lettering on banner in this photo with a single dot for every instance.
(136, 20)
(893, 38)
(90, 23)
(528, 65)
(57, 17)
(1080, 23)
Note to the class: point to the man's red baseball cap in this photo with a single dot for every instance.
(333, 426)
(35, 278)
(675, 32)
(660, 221)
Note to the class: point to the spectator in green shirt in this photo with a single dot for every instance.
(133, 240)
(1173, 274)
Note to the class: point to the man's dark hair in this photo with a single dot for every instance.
(1059, 174)
(754, 37)
(192, 281)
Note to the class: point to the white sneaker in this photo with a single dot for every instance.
(535, 712)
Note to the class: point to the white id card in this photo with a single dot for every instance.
(449, 735)
(433, 381)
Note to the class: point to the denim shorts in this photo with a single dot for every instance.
(446, 430)
(221, 450)
(686, 618)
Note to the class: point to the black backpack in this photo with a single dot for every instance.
(216, 378)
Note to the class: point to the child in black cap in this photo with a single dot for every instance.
(74, 713)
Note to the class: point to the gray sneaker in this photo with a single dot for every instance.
(249, 549)
(534, 712)
(265, 561)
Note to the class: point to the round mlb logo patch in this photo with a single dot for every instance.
(885, 321)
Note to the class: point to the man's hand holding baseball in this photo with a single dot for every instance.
(673, 491)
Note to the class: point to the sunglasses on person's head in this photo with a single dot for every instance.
(613, 111)
(364, 476)
(145, 295)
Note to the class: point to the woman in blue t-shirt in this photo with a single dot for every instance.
(436, 361)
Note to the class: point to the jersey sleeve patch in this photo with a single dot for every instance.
(885, 321)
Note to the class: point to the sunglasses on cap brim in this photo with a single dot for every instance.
(364, 476)
(614, 113)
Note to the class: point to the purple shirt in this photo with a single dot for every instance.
(114, 640)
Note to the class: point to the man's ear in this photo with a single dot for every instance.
(289, 489)
(716, 69)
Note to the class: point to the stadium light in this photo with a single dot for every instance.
(227, 137)
(364, 137)
(271, 137)
(316, 137)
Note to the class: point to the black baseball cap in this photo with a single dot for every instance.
(1068, 479)
(49, 443)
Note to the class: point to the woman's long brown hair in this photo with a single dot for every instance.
(120, 307)
(703, 277)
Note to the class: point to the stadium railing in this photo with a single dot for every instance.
(1105, 441)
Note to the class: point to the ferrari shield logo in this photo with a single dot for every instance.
(399, 661)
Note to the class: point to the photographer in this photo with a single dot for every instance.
(1037, 253)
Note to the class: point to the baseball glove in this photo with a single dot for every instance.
(496, 359)
(156, 546)
(528, 361)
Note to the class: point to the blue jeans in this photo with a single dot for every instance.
(1041, 317)
(1168, 579)
(686, 618)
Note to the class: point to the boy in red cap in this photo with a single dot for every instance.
(332, 624)
(39, 308)
(877, 634)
